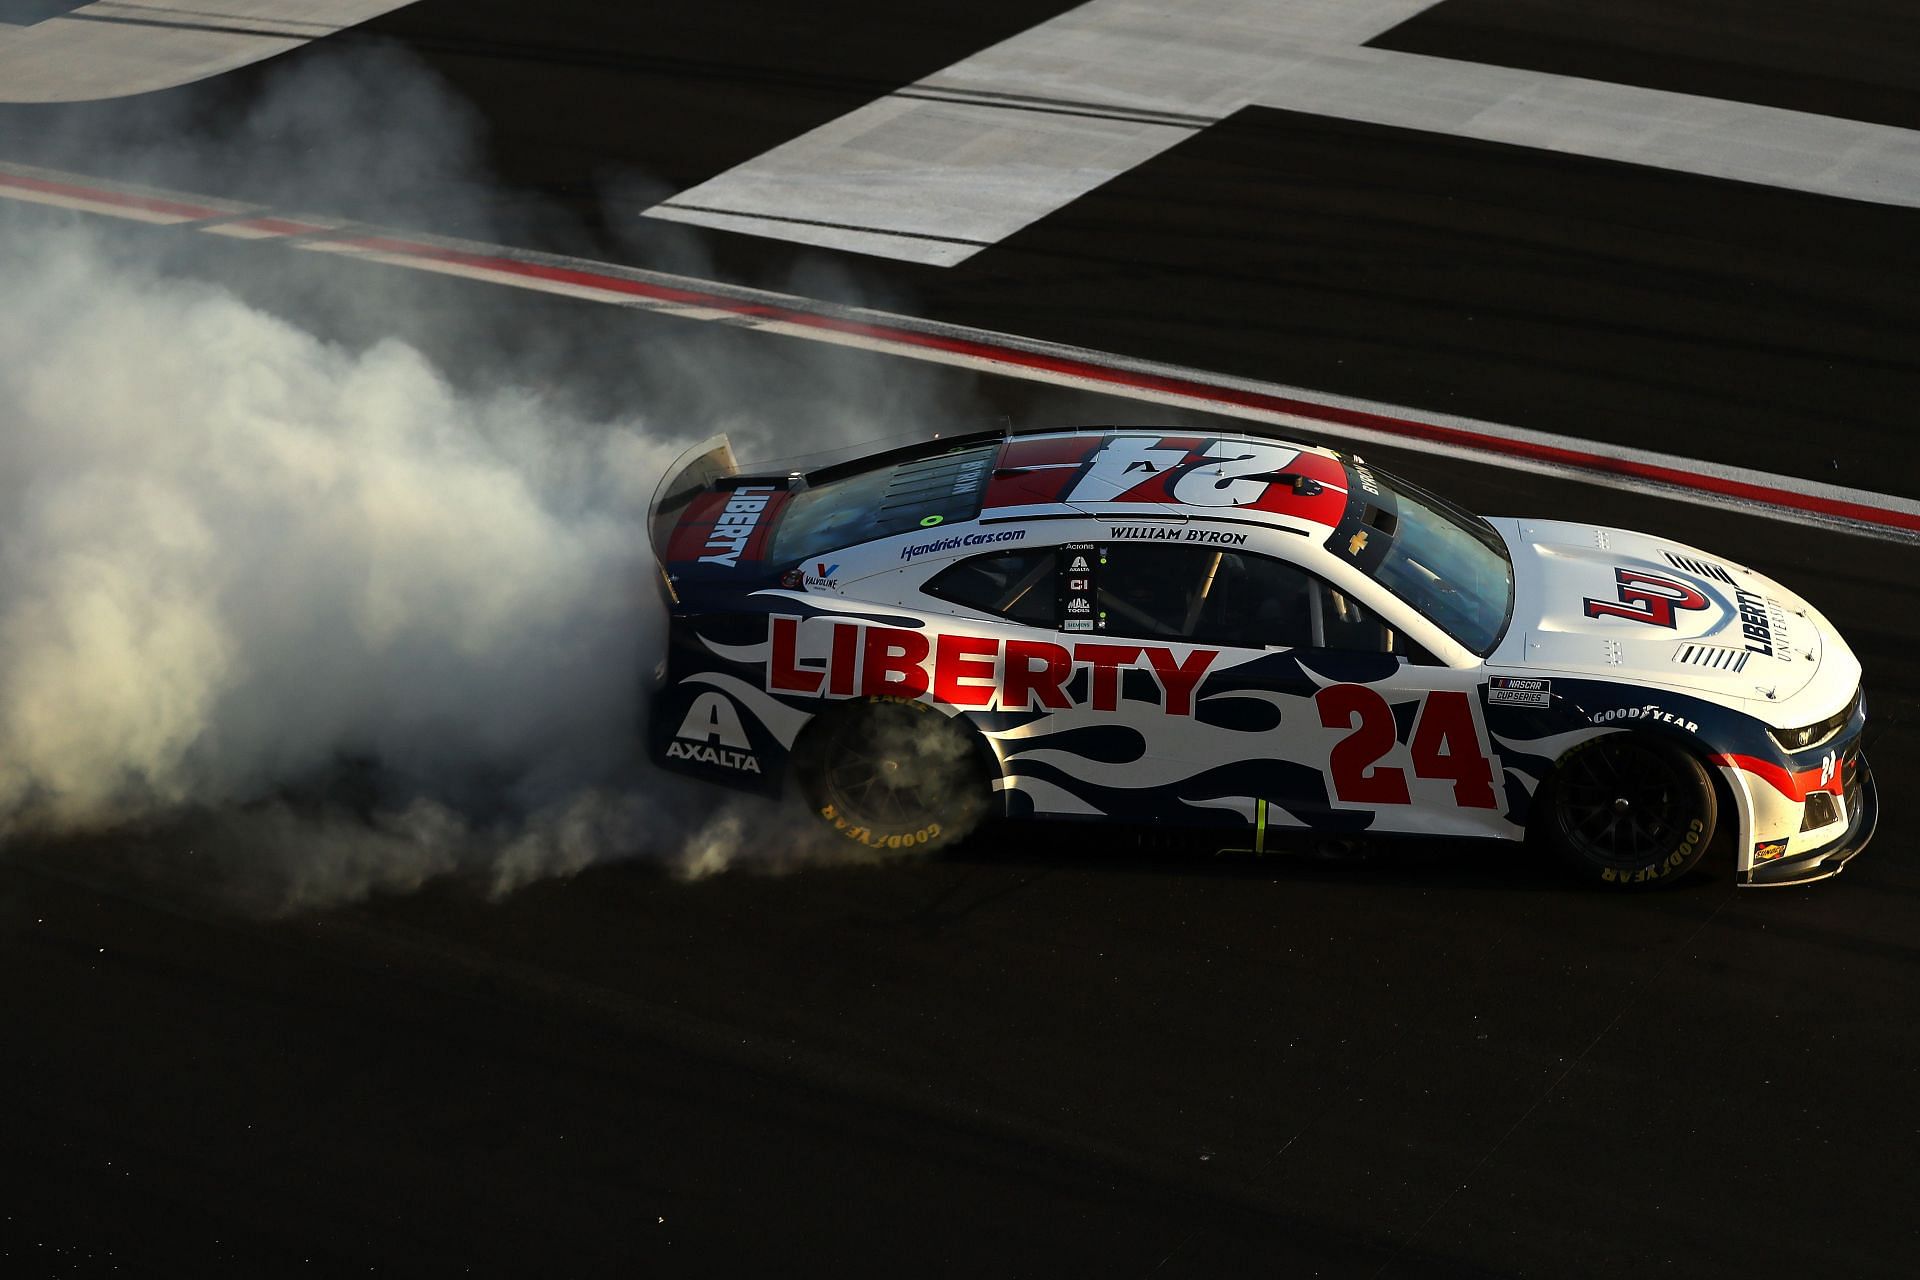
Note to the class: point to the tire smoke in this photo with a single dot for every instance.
(357, 620)
(235, 559)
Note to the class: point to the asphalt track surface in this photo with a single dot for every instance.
(1035, 1056)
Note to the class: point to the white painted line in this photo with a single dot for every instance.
(115, 48)
(937, 181)
(1342, 419)
(922, 177)
(902, 242)
(1767, 146)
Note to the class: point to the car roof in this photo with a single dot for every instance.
(1052, 474)
(1104, 473)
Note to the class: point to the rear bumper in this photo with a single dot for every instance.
(1827, 860)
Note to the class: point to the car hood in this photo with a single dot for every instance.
(1630, 606)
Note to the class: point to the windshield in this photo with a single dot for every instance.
(1447, 563)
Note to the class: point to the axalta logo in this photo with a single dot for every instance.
(960, 540)
(703, 753)
(734, 528)
(712, 734)
(818, 657)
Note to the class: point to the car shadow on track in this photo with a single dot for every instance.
(207, 865)
(1401, 861)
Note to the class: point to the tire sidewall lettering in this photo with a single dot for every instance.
(1687, 843)
(1660, 868)
(871, 839)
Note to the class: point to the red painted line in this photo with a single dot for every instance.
(557, 275)
(93, 195)
(1385, 424)
(278, 226)
(1014, 357)
(1335, 414)
(1097, 373)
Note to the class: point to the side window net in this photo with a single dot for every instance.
(1203, 595)
(1018, 585)
(1234, 598)
(1161, 592)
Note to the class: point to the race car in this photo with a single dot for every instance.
(1248, 637)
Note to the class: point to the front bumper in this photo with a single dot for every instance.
(1829, 859)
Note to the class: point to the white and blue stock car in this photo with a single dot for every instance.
(1238, 633)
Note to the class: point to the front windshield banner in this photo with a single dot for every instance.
(1449, 565)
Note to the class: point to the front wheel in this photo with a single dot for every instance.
(888, 774)
(1629, 810)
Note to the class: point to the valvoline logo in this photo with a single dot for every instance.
(822, 575)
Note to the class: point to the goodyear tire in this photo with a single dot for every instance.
(893, 775)
(1630, 811)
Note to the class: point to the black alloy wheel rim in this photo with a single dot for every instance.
(871, 785)
(1623, 804)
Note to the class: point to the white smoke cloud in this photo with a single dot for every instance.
(230, 550)
(360, 621)
(361, 628)
(232, 555)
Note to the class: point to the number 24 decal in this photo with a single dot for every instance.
(1444, 747)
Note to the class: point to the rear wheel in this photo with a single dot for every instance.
(1629, 810)
(889, 774)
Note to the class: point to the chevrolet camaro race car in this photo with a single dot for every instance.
(1246, 635)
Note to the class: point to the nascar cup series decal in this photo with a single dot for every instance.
(1516, 691)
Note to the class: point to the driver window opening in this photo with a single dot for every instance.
(1178, 593)
(1234, 598)
(1018, 585)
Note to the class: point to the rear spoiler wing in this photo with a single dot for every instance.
(692, 474)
